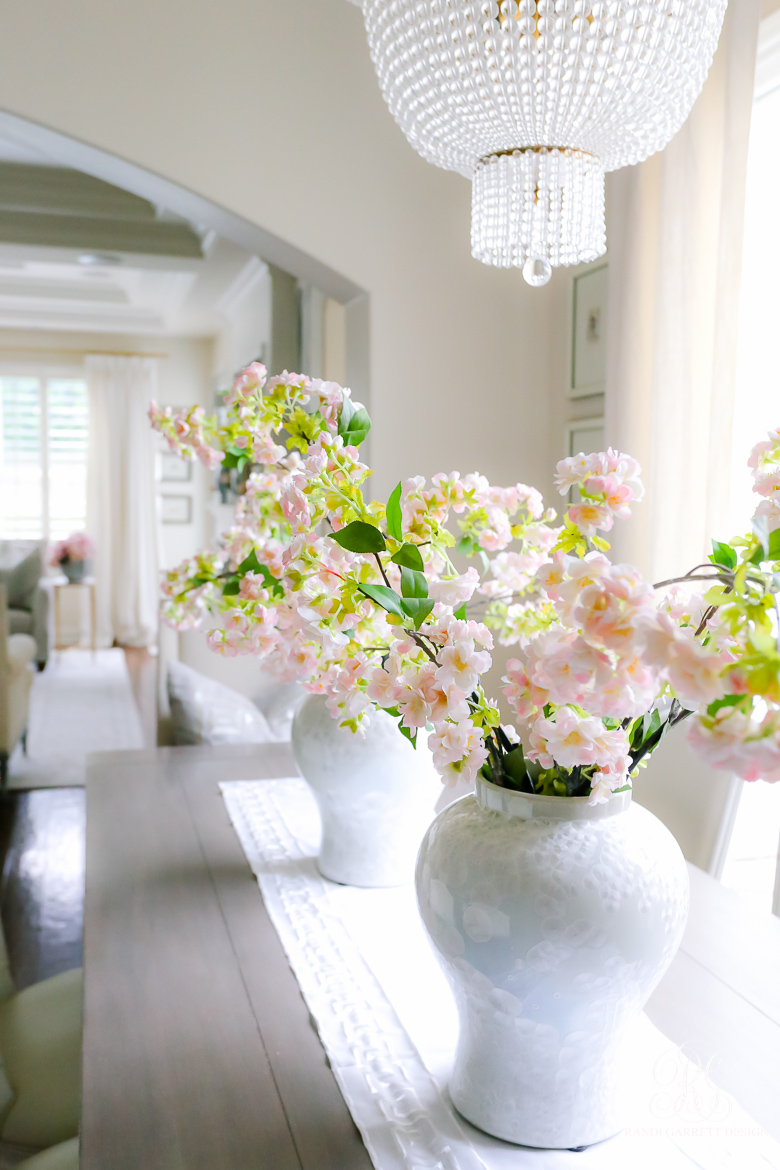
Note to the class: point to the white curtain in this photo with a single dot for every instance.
(121, 506)
(675, 228)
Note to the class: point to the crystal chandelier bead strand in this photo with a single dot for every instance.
(535, 100)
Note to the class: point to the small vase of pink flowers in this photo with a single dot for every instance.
(72, 555)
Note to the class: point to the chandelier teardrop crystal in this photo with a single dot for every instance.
(534, 100)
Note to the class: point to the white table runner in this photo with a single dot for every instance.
(387, 1020)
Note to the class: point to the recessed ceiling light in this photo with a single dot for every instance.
(99, 260)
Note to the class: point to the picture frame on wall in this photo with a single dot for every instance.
(174, 469)
(588, 343)
(176, 509)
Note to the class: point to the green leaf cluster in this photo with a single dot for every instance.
(768, 543)
(644, 736)
(508, 768)
(251, 564)
(413, 601)
(723, 554)
(354, 425)
(235, 457)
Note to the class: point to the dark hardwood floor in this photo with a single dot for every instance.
(42, 889)
(42, 851)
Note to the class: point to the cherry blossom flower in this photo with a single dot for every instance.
(250, 381)
(454, 591)
(458, 751)
(589, 517)
(572, 740)
(695, 671)
(740, 742)
(566, 667)
(525, 699)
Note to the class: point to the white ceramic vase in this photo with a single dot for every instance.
(376, 795)
(553, 920)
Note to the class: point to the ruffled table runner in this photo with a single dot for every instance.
(387, 1021)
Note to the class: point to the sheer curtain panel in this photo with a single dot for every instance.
(121, 507)
(675, 226)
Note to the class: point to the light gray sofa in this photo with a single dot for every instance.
(21, 569)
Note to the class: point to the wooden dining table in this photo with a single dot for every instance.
(199, 1052)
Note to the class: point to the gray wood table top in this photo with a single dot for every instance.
(199, 1051)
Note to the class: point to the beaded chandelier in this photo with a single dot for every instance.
(534, 100)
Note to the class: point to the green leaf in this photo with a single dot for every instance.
(761, 529)
(393, 513)
(637, 735)
(251, 564)
(346, 416)
(386, 598)
(514, 765)
(413, 584)
(409, 555)
(231, 587)
(650, 723)
(460, 612)
(726, 701)
(359, 537)
(774, 545)
(417, 608)
(356, 429)
(466, 545)
(645, 729)
(717, 595)
(409, 734)
(235, 457)
(723, 554)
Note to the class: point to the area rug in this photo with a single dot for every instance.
(81, 703)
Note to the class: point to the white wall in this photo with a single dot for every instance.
(246, 334)
(274, 112)
(186, 377)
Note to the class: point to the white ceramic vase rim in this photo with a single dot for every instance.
(527, 806)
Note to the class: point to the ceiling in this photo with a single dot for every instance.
(79, 254)
(48, 288)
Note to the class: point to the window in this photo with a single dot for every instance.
(43, 457)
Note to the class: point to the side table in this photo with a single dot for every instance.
(60, 583)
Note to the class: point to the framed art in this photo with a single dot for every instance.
(586, 435)
(176, 509)
(174, 469)
(588, 343)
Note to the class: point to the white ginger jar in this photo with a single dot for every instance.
(376, 794)
(553, 920)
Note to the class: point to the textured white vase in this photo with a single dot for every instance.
(553, 920)
(375, 795)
